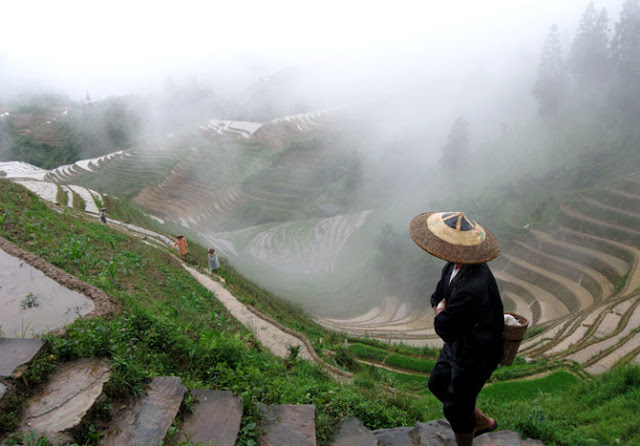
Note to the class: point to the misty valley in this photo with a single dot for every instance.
(306, 191)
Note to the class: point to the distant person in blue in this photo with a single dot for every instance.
(468, 316)
(214, 264)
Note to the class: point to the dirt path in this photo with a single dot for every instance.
(272, 337)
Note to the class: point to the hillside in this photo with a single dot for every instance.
(570, 268)
(285, 203)
(165, 323)
(163, 306)
(282, 201)
(235, 189)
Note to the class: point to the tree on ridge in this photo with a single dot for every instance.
(456, 151)
(625, 49)
(589, 56)
(551, 84)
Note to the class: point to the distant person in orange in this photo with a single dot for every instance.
(182, 244)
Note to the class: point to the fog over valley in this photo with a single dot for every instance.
(300, 139)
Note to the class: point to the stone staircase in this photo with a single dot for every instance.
(67, 400)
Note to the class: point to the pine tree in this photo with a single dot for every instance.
(456, 150)
(625, 49)
(589, 58)
(625, 45)
(550, 87)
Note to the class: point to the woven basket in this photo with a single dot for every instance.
(513, 336)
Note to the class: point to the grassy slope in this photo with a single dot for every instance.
(164, 307)
(172, 325)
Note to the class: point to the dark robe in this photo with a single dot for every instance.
(471, 327)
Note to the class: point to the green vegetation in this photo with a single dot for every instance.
(38, 153)
(395, 360)
(598, 412)
(172, 325)
(529, 389)
(48, 130)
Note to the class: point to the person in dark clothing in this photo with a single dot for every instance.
(468, 315)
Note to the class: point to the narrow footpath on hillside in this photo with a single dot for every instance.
(270, 336)
(274, 336)
(278, 339)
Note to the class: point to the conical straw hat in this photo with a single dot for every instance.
(454, 237)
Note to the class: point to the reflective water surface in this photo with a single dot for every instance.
(32, 303)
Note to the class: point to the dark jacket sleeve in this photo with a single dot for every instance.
(438, 294)
(454, 321)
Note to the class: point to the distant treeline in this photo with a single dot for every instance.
(596, 70)
(73, 131)
(95, 128)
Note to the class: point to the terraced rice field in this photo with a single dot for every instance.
(38, 181)
(220, 127)
(40, 126)
(580, 281)
(19, 169)
(298, 247)
(67, 172)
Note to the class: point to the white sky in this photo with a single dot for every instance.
(119, 46)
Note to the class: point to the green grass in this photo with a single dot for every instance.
(410, 363)
(368, 352)
(601, 412)
(529, 389)
(392, 359)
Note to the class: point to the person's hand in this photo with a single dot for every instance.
(442, 305)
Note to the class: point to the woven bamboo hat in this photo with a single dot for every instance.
(454, 237)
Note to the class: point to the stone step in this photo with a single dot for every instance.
(288, 425)
(17, 352)
(353, 433)
(439, 433)
(397, 436)
(504, 438)
(215, 418)
(75, 387)
(434, 433)
(149, 420)
(67, 398)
